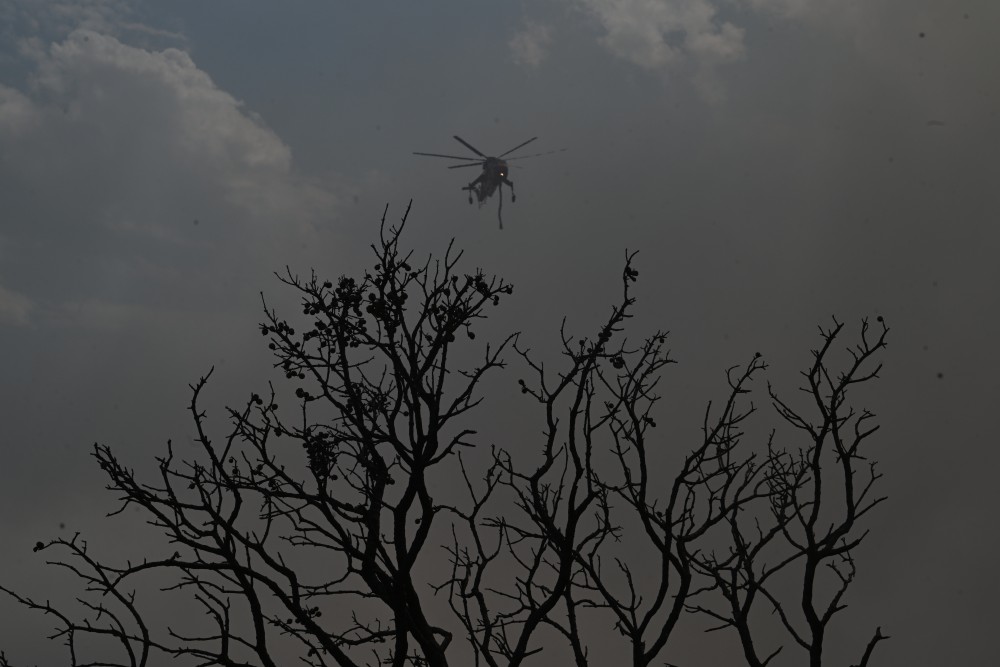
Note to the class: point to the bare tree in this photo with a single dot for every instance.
(325, 556)
(602, 400)
(818, 493)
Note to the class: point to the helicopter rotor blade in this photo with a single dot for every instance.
(521, 157)
(469, 146)
(450, 157)
(471, 164)
(518, 146)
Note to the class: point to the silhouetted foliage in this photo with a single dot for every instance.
(313, 533)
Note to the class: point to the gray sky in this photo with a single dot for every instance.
(776, 162)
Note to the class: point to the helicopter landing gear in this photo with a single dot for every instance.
(510, 184)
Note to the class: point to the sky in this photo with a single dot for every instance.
(774, 162)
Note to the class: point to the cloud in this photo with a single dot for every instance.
(129, 176)
(529, 45)
(14, 307)
(656, 34)
(787, 8)
(64, 17)
(17, 113)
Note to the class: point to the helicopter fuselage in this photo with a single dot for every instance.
(486, 184)
(494, 171)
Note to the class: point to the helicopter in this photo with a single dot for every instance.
(494, 174)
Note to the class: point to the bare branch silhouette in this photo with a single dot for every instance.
(315, 532)
(818, 493)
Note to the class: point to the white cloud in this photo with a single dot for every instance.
(14, 307)
(656, 34)
(699, 36)
(529, 45)
(110, 154)
(17, 113)
(101, 81)
(153, 119)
